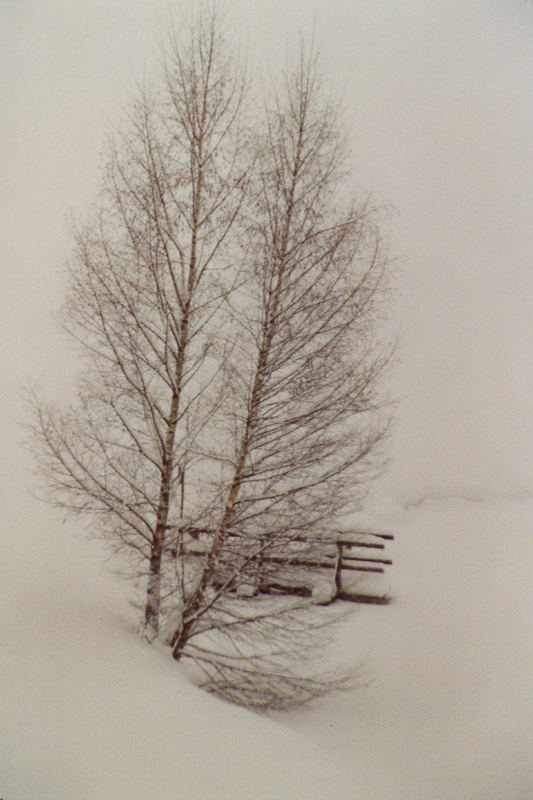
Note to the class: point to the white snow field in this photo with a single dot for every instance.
(90, 712)
(440, 98)
(448, 712)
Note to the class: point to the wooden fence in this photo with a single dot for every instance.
(342, 567)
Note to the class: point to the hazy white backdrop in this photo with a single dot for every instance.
(439, 97)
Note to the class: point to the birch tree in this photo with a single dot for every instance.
(147, 279)
(225, 295)
(301, 398)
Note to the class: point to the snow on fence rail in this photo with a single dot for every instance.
(333, 568)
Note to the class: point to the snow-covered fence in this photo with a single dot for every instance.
(352, 555)
(339, 567)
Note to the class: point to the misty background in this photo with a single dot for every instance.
(439, 100)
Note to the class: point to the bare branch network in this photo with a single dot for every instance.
(225, 296)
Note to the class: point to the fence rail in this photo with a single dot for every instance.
(298, 571)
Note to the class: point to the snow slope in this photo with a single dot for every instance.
(89, 712)
(448, 714)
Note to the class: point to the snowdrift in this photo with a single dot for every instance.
(89, 711)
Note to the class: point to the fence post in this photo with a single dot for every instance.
(338, 568)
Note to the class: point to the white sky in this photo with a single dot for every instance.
(440, 98)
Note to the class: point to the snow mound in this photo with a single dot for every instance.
(89, 711)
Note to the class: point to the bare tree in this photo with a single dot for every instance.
(147, 280)
(301, 397)
(225, 296)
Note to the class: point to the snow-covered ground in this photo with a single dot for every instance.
(89, 712)
(439, 95)
(448, 713)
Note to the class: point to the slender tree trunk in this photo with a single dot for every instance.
(198, 113)
(153, 594)
(181, 636)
